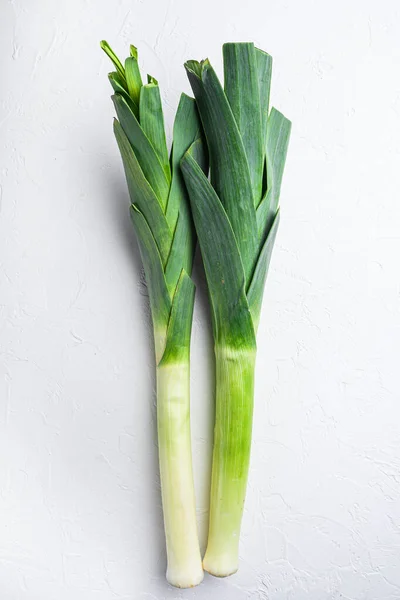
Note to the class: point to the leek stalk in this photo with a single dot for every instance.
(163, 225)
(236, 216)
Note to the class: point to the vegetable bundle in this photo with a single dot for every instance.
(236, 217)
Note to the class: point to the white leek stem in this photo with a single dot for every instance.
(173, 417)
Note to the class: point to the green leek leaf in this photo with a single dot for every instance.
(224, 270)
(152, 123)
(142, 195)
(278, 134)
(111, 54)
(133, 78)
(256, 289)
(228, 163)
(158, 293)
(242, 91)
(264, 72)
(116, 83)
(143, 149)
(187, 129)
(180, 322)
(264, 216)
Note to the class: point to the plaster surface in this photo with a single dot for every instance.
(80, 514)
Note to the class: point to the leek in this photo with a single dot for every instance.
(163, 225)
(236, 216)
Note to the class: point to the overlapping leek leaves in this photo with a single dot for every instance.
(159, 209)
(236, 216)
(163, 225)
(247, 149)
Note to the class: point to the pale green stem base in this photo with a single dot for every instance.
(173, 417)
(231, 456)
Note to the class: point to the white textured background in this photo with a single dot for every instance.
(79, 492)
